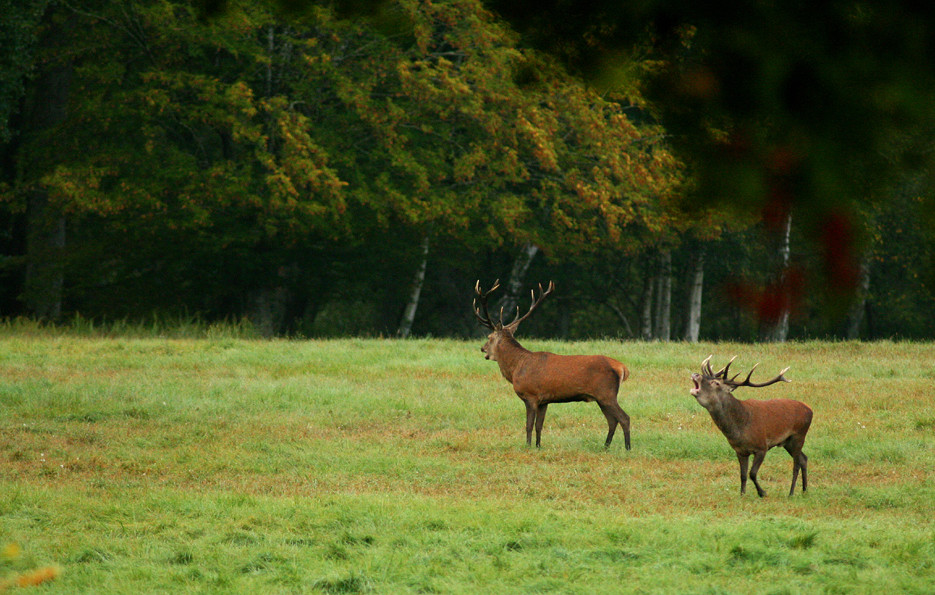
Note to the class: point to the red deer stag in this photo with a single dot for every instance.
(751, 426)
(540, 378)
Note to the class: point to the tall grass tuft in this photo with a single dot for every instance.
(158, 326)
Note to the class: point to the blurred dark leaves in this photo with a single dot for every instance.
(817, 107)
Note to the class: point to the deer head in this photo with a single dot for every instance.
(712, 388)
(498, 329)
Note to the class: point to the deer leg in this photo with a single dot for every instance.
(799, 461)
(743, 459)
(795, 474)
(530, 420)
(540, 417)
(611, 423)
(624, 421)
(757, 461)
(803, 464)
(794, 451)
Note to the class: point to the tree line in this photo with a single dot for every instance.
(321, 173)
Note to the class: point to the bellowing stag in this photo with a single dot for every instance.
(751, 426)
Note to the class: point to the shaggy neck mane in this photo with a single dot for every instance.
(509, 354)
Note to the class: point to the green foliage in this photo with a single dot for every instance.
(283, 163)
(18, 32)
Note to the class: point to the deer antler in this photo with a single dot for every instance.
(780, 378)
(722, 373)
(732, 382)
(485, 319)
(535, 304)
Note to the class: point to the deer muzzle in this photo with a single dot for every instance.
(695, 379)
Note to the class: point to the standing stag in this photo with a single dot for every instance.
(751, 426)
(540, 378)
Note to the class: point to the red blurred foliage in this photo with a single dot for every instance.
(837, 239)
(776, 211)
(769, 302)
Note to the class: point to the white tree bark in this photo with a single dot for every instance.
(515, 282)
(856, 314)
(646, 309)
(664, 298)
(693, 324)
(780, 332)
(409, 314)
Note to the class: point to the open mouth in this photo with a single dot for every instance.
(697, 384)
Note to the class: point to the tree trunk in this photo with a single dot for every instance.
(856, 315)
(520, 267)
(268, 310)
(270, 47)
(623, 318)
(646, 308)
(409, 315)
(693, 324)
(45, 267)
(780, 330)
(45, 243)
(663, 326)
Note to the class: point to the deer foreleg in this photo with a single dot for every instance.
(540, 417)
(743, 459)
(757, 461)
(530, 420)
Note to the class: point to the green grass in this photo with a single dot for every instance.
(225, 465)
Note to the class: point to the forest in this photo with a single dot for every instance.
(319, 169)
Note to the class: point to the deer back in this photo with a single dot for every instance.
(560, 376)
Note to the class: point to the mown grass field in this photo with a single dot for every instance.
(147, 465)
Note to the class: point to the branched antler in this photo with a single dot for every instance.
(535, 304)
(482, 296)
(732, 382)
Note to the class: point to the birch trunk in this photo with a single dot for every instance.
(646, 309)
(856, 315)
(517, 274)
(663, 326)
(409, 315)
(693, 324)
(780, 331)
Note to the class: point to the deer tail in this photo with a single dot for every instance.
(622, 372)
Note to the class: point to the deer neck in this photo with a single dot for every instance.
(509, 355)
(731, 417)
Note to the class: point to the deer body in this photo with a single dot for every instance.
(752, 427)
(541, 378)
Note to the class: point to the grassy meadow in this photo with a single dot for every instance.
(222, 464)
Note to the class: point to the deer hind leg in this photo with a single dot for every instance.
(540, 417)
(803, 465)
(757, 461)
(615, 415)
(624, 420)
(799, 461)
(611, 424)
